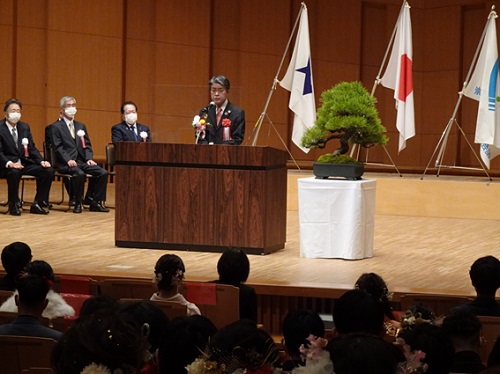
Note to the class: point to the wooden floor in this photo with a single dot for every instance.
(427, 234)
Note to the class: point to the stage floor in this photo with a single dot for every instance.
(427, 234)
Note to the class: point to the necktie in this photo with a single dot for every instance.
(72, 129)
(14, 135)
(219, 115)
(132, 129)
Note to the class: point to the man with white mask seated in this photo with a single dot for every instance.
(129, 130)
(74, 156)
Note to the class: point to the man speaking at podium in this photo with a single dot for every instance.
(222, 122)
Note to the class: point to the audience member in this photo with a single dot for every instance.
(129, 130)
(31, 301)
(15, 257)
(233, 268)
(224, 122)
(19, 156)
(103, 342)
(485, 277)
(464, 330)
(184, 339)
(74, 154)
(239, 345)
(152, 319)
(56, 306)
(297, 326)
(431, 340)
(362, 353)
(357, 311)
(374, 285)
(97, 303)
(168, 276)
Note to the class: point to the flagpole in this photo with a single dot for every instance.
(258, 124)
(444, 136)
(375, 85)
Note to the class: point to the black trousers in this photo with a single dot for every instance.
(97, 184)
(44, 177)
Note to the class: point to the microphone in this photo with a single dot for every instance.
(208, 107)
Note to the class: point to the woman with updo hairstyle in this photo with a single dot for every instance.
(103, 342)
(56, 307)
(168, 275)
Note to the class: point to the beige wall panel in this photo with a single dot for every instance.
(6, 62)
(184, 22)
(32, 13)
(442, 39)
(31, 85)
(90, 69)
(35, 115)
(141, 19)
(140, 73)
(92, 17)
(264, 27)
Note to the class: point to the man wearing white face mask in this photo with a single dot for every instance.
(74, 156)
(129, 130)
(18, 157)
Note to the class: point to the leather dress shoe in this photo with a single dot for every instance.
(46, 204)
(96, 206)
(77, 208)
(72, 201)
(88, 201)
(14, 210)
(37, 209)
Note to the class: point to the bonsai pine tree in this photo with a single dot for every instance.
(347, 113)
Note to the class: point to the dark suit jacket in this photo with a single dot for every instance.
(29, 326)
(121, 133)
(9, 151)
(214, 132)
(68, 148)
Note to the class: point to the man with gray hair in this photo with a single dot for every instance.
(74, 156)
(224, 122)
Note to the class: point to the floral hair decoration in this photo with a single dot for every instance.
(413, 363)
(316, 358)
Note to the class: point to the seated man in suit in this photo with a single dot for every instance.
(74, 155)
(224, 121)
(31, 301)
(18, 157)
(129, 130)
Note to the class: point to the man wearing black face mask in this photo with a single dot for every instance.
(18, 157)
(74, 156)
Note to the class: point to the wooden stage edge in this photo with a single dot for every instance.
(427, 234)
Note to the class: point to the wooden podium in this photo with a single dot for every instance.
(200, 197)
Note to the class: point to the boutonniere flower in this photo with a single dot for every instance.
(143, 135)
(226, 124)
(81, 135)
(25, 143)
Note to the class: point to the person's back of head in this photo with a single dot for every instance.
(297, 326)
(361, 353)
(183, 341)
(431, 340)
(233, 266)
(464, 330)
(104, 338)
(15, 257)
(169, 272)
(374, 285)
(32, 294)
(98, 302)
(42, 269)
(149, 315)
(485, 275)
(357, 311)
(242, 345)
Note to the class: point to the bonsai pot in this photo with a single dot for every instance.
(324, 170)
